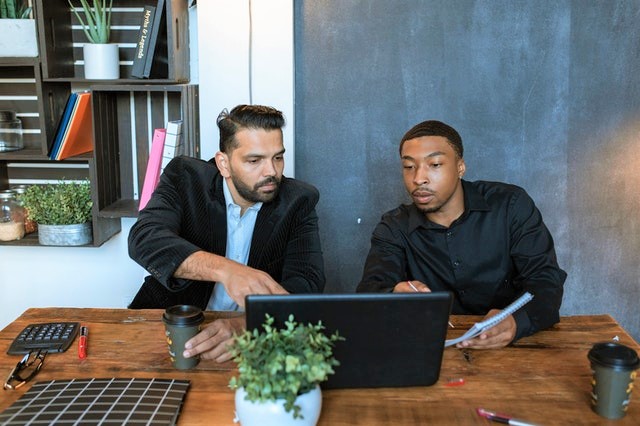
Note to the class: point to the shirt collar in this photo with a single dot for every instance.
(473, 201)
(228, 199)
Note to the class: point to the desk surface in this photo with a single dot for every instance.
(544, 379)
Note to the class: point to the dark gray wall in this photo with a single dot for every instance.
(545, 94)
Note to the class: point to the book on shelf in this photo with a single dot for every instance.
(75, 131)
(152, 175)
(172, 142)
(142, 44)
(157, 65)
(62, 125)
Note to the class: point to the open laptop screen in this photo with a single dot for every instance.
(391, 339)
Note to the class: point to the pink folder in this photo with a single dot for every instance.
(152, 175)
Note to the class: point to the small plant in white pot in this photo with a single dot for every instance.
(279, 371)
(101, 58)
(16, 19)
(62, 211)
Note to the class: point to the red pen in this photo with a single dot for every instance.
(82, 342)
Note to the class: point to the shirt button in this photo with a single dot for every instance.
(456, 264)
(449, 234)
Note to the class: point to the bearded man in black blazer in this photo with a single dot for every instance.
(214, 232)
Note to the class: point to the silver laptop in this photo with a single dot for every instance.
(391, 340)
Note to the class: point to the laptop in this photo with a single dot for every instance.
(391, 339)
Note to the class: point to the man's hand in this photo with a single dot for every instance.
(497, 337)
(411, 287)
(213, 341)
(240, 280)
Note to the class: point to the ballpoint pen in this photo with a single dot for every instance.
(82, 342)
(417, 291)
(501, 418)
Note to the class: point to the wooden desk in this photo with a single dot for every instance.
(544, 379)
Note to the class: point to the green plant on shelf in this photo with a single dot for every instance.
(59, 204)
(97, 20)
(14, 9)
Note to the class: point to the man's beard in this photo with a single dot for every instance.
(429, 209)
(251, 194)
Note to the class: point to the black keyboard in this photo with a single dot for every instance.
(52, 337)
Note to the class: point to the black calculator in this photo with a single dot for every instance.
(50, 336)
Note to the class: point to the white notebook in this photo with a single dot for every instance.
(485, 325)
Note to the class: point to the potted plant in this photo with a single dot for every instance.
(62, 212)
(16, 19)
(101, 58)
(279, 371)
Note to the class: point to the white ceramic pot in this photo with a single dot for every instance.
(273, 413)
(101, 61)
(18, 38)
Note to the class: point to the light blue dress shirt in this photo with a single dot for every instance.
(239, 234)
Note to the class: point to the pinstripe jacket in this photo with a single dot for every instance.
(187, 213)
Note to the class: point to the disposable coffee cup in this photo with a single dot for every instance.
(614, 368)
(181, 322)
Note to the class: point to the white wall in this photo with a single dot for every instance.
(223, 38)
(106, 276)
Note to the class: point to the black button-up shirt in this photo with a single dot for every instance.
(498, 249)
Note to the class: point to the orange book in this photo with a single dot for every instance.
(78, 138)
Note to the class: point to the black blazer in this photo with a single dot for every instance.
(187, 213)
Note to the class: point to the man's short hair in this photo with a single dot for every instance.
(246, 117)
(435, 128)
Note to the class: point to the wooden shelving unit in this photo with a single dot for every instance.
(125, 111)
(125, 117)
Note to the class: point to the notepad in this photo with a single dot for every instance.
(481, 327)
(99, 401)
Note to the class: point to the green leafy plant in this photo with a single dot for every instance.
(283, 363)
(14, 9)
(98, 20)
(59, 204)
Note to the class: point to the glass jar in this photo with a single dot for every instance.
(29, 225)
(10, 132)
(11, 217)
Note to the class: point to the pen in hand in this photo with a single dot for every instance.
(417, 291)
(82, 342)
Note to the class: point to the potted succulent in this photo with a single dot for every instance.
(16, 19)
(279, 371)
(101, 58)
(62, 212)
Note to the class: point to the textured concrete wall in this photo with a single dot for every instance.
(545, 94)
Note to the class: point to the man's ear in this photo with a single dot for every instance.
(461, 168)
(222, 161)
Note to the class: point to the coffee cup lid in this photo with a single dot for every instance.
(613, 354)
(183, 315)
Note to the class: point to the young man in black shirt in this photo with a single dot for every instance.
(483, 241)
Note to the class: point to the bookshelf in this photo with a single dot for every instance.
(125, 111)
